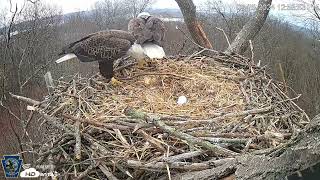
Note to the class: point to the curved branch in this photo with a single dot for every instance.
(251, 28)
(188, 10)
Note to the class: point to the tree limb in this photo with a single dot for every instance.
(188, 10)
(301, 153)
(251, 28)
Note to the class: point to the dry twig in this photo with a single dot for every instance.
(136, 129)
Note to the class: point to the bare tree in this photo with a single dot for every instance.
(222, 21)
(251, 28)
(188, 10)
(138, 6)
(26, 54)
(241, 42)
(314, 10)
(213, 6)
(109, 12)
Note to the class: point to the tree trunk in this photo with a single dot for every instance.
(300, 154)
(251, 28)
(188, 10)
(241, 42)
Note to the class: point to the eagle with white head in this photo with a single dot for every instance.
(104, 47)
(149, 31)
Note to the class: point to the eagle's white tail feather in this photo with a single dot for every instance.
(136, 51)
(67, 57)
(153, 51)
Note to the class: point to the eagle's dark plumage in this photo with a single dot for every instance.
(104, 47)
(137, 26)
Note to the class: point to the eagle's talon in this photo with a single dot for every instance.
(115, 82)
(142, 63)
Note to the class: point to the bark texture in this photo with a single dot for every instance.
(251, 28)
(188, 10)
(301, 153)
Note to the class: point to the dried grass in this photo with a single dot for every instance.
(207, 93)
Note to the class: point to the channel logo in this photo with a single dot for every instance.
(11, 165)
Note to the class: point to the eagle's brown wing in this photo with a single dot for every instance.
(138, 28)
(101, 46)
(157, 28)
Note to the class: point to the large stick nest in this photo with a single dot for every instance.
(136, 129)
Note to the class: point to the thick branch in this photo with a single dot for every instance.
(27, 100)
(301, 153)
(186, 137)
(315, 10)
(193, 140)
(188, 10)
(98, 124)
(251, 28)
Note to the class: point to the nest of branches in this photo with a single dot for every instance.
(137, 130)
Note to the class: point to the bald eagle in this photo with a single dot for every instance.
(149, 32)
(104, 47)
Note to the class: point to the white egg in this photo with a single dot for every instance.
(182, 100)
